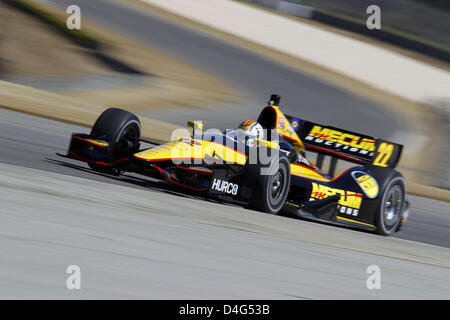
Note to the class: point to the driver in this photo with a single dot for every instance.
(248, 131)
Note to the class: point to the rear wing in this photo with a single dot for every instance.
(346, 145)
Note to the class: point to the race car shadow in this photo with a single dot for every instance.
(147, 183)
(292, 215)
(144, 183)
(127, 179)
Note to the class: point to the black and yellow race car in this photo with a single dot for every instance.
(268, 172)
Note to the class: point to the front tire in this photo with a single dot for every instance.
(271, 185)
(121, 129)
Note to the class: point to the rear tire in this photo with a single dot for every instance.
(120, 129)
(271, 189)
(391, 200)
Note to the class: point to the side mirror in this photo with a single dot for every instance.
(196, 125)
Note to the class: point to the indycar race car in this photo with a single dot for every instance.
(262, 165)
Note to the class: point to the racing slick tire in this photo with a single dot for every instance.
(116, 126)
(270, 190)
(391, 200)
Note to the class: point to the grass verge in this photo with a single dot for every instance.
(173, 82)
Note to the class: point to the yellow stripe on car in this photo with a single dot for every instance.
(354, 221)
(303, 171)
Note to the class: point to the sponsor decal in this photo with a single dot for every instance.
(349, 202)
(341, 141)
(347, 210)
(295, 123)
(225, 186)
(368, 184)
(281, 123)
(285, 129)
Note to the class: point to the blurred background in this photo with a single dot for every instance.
(169, 65)
(416, 24)
(217, 61)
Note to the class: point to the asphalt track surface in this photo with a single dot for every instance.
(256, 76)
(135, 238)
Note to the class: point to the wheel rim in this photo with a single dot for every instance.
(276, 186)
(130, 133)
(392, 207)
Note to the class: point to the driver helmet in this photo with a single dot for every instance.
(249, 130)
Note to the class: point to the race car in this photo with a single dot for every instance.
(261, 165)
